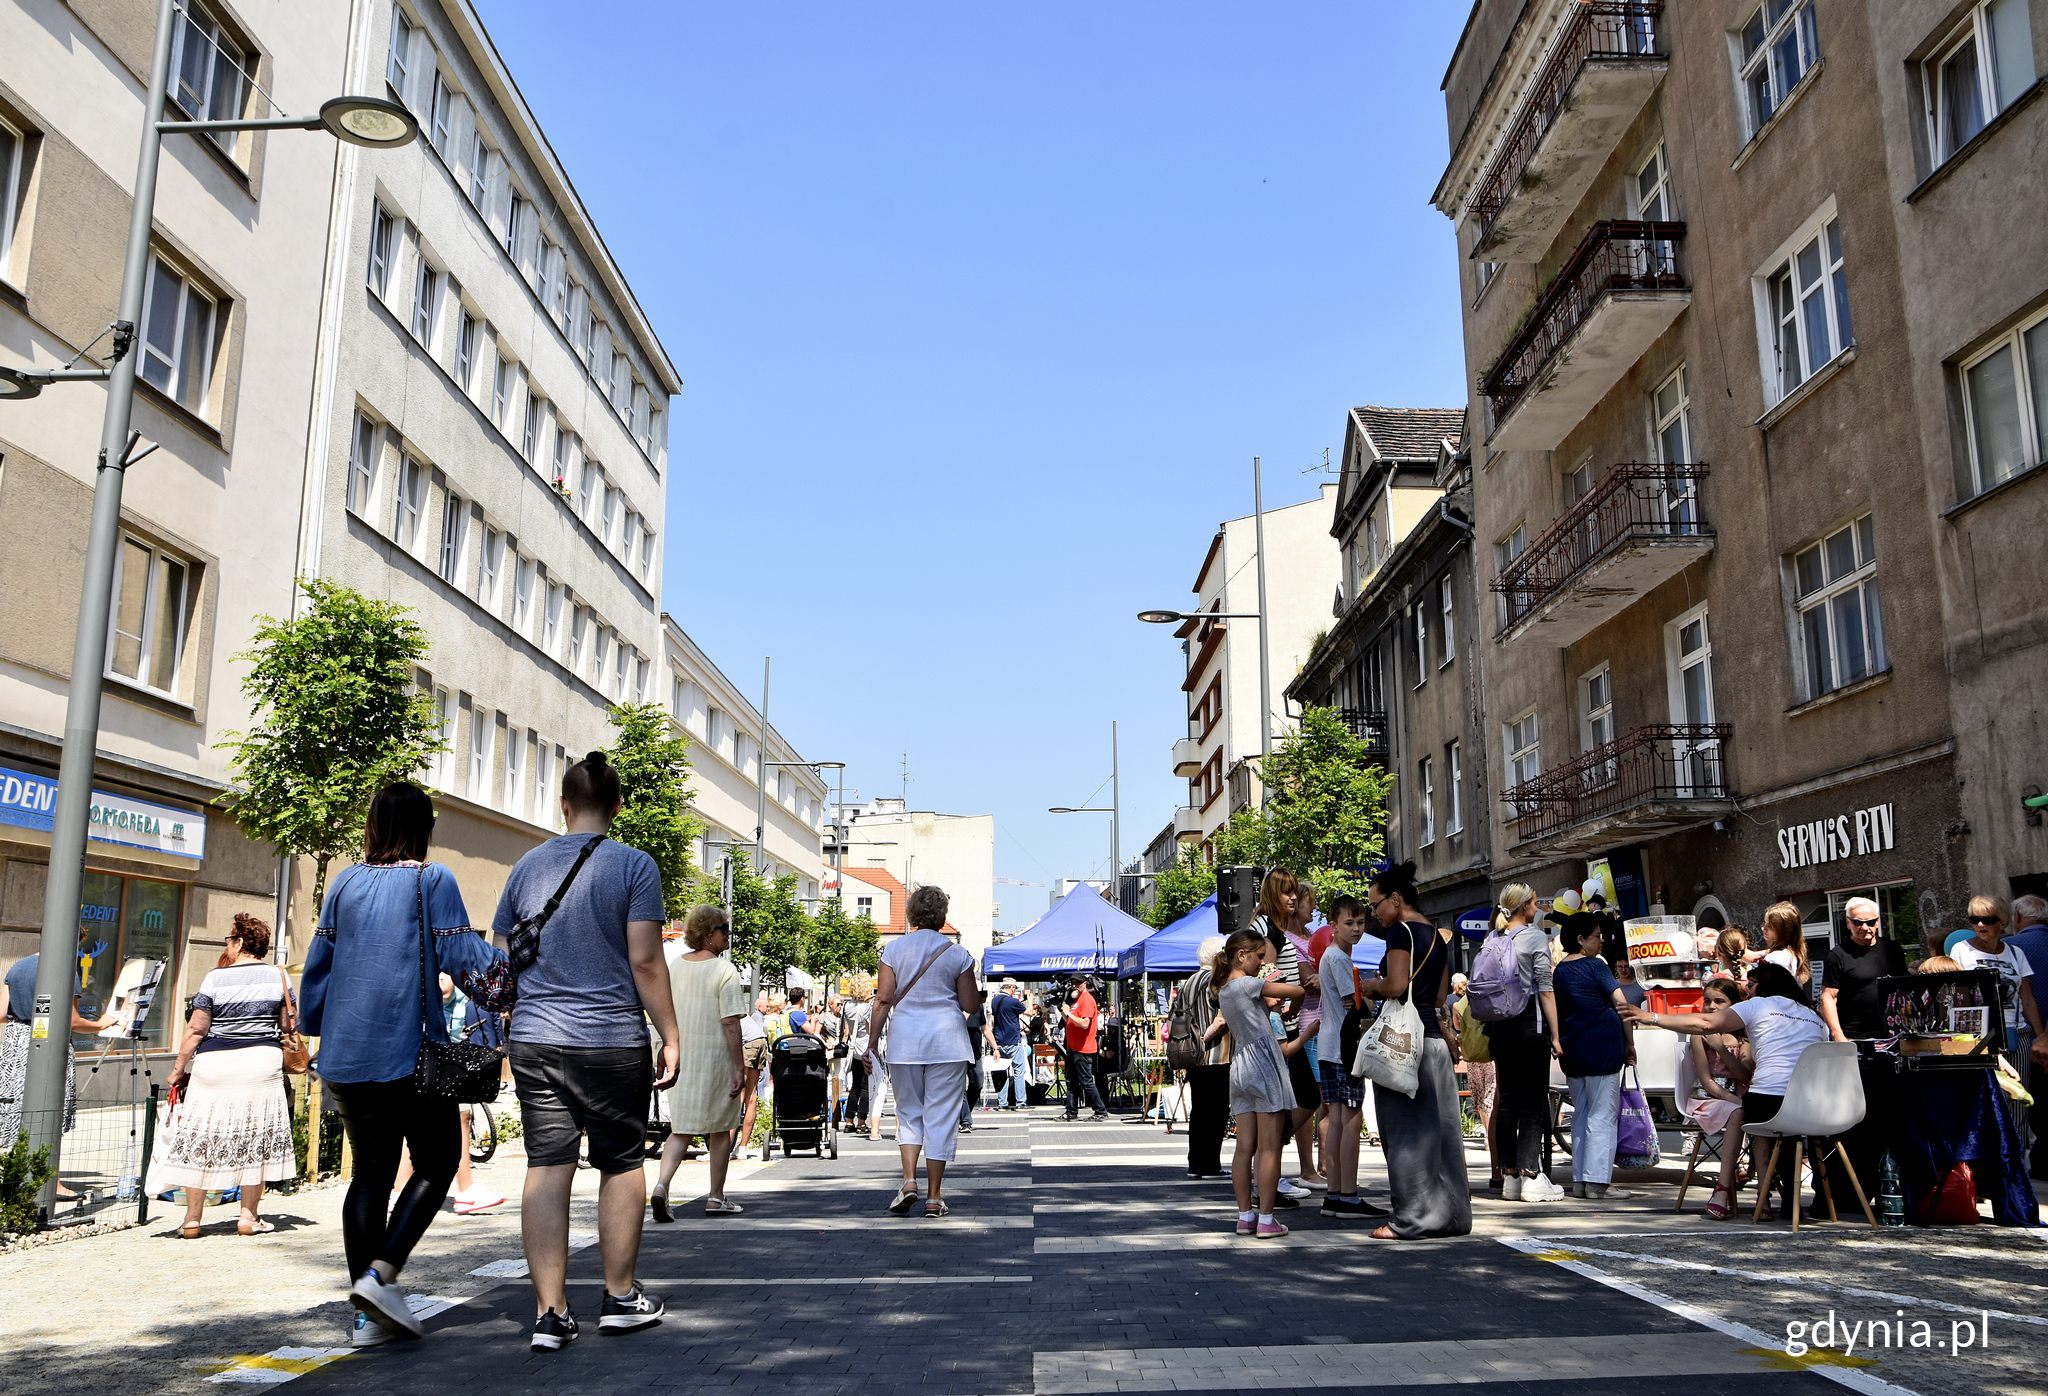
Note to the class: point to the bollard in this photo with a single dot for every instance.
(148, 1150)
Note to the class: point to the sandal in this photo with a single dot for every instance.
(258, 1227)
(937, 1209)
(905, 1199)
(719, 1207)
(1384, 1233)
(1718, 1211)
(658, 1200)
(188, 1231)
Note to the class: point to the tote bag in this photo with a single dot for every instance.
(1390, 1051)
(1635, 1139)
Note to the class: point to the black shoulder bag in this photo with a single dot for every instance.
(522, 945)
(467, 1073)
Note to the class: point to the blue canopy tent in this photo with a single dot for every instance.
(1171, 950)
(1082, 935)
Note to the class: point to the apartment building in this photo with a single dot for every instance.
(1404, 662)
(490, 409)
(1731, 467)
(888, 848)
(727, 742)
(1219, 755)
(226, 340)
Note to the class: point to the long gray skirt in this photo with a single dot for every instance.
(1424, 1142)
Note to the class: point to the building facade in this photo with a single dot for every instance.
(490, 408)
(915, 847)
(230, 318)
(1219, 755)
(1726, 656)
(1404, 663)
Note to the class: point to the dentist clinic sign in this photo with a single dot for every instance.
(27, 800)
(1833, 838)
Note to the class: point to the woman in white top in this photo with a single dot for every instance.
(1987, 948)
(924, 994)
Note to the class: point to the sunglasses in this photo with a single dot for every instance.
(1987, 920)
(1859, 921)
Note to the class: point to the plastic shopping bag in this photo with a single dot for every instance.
(1636, 1144)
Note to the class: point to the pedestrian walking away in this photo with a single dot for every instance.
(1423, 1135)
(706, 1098)
(1208, 1081)
(1510, 990)
(579, 1045)
(924, 993)
(388, 927)
(233, 1125)
(754, 1045)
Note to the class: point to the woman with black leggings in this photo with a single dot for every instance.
(389, 926)
(1522, 1047)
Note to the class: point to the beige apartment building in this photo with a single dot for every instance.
(227, 338)
(489, 446)
(1749, 295)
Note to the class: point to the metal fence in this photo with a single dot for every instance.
(1664, 761)
(1368, 726)
(1632, 503)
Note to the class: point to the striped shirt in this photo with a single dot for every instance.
(244, 1001)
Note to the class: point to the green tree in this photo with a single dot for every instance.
(1181, 888)
(337, 715)
(1324, 814)
(768, 922)
(836, 942)
(653, 763)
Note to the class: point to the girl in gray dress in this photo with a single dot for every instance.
(1260, 1095)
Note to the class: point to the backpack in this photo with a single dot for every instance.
(777, 1028)
(1473, 1043)
(1494, 991)
(1183, 1048)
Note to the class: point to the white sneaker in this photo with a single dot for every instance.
(368, 1333)
(1511, 1188)
(1321, 1186)
(1290, 1188)
(386, 1304)
(1540, 1189)
(1612, 1194)
(476, 1200)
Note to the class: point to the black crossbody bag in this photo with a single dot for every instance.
(467, 1073)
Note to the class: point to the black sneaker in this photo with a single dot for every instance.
(1099, 1115)
(1283, 1203)
(636, 1311)
(552, 1331)
(1337, 1207)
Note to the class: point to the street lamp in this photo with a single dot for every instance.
(1114, 809)
(358, 120)
(839, 766)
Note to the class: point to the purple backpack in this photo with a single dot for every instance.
(1494, 991)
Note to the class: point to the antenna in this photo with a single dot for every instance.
(906, 780)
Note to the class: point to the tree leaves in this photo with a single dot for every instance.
(653, 762)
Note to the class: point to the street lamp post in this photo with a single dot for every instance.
(359, 120)
(1114, 809)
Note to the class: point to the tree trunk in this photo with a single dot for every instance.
(319, 887)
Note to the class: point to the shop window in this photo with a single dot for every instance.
(1824, 919)
(152, 601)
(1841, 629)
(123, 921)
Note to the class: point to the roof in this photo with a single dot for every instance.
(1409, 433)
(885, 880)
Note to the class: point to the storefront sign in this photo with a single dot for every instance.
(1830, 840)
(1661, 940)
(27, 801)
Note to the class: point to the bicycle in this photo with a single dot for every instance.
(483, 1133)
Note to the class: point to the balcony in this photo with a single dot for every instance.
(1368, 727)
(1613, 296)
(1187, 824)
(1187, 757)
(1242, 779)
(1648, 782)
(1601, 69)
(1639, 527)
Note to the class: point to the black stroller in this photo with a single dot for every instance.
(800, 1067)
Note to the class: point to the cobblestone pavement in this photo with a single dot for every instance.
(1079, 1259)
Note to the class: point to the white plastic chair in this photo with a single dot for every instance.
(1684, 1078)
(1824, 1099)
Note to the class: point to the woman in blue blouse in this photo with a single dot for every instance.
(361, 996)
(1596, 1046)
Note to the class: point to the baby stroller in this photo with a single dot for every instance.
(798, 1065)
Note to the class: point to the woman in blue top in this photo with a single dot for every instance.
(362, 996)
(1596, 1045)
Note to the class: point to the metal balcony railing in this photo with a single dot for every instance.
(1614, 255)
(1632, 503)
(1615, 29)
(1662, 762)
(1368, 727)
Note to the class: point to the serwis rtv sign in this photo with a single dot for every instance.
(1842, 836)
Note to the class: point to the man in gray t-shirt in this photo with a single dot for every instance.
(580, 992)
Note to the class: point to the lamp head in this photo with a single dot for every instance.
(370, 121)
(17, 385)
(1160, 617)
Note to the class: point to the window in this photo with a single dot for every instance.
(209, 77)
(1524, 765)
(1985, 64)
(488, 573)
(515, 225)
(591, 475)
(1425, 804)
(551, 617)
(150, 607)
(1578, 483)
(594, 333)
(401, 52)
(10, 180)
(630, 540)
(1446, 642)
(558, 304)
(454, 525)
(543, 268)
(177, 337)
(441, 118)
(1841, 630)
(640, 679)
(362, 465)
(479, 165)
(611, 505)
(444, 760)
(412, 497)
(382, 228)
(465, 349)
(501, 388)
(863, 906)
(1596, 708)
(1807, 296)
(426, 297)
(1652, 189)
(529, 440)
(563, 438)
(1671, 426)
(2005, 406)
(543, 778)
(577, 619)
(621, 668)
(620, 389)
(1690, 652)
(522, 593)
(479, 787)
(1779, 45)
(1421, 651)
(515, 758)
(121, 920)
(1507, 549)
(646, 552)
(1454, 791)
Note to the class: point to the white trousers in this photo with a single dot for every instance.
(928, 1106)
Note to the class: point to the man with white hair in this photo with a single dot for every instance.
(1850, 1002)
(1006, 1030)
(2030, 934)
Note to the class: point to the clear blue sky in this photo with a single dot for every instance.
(982, 312)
